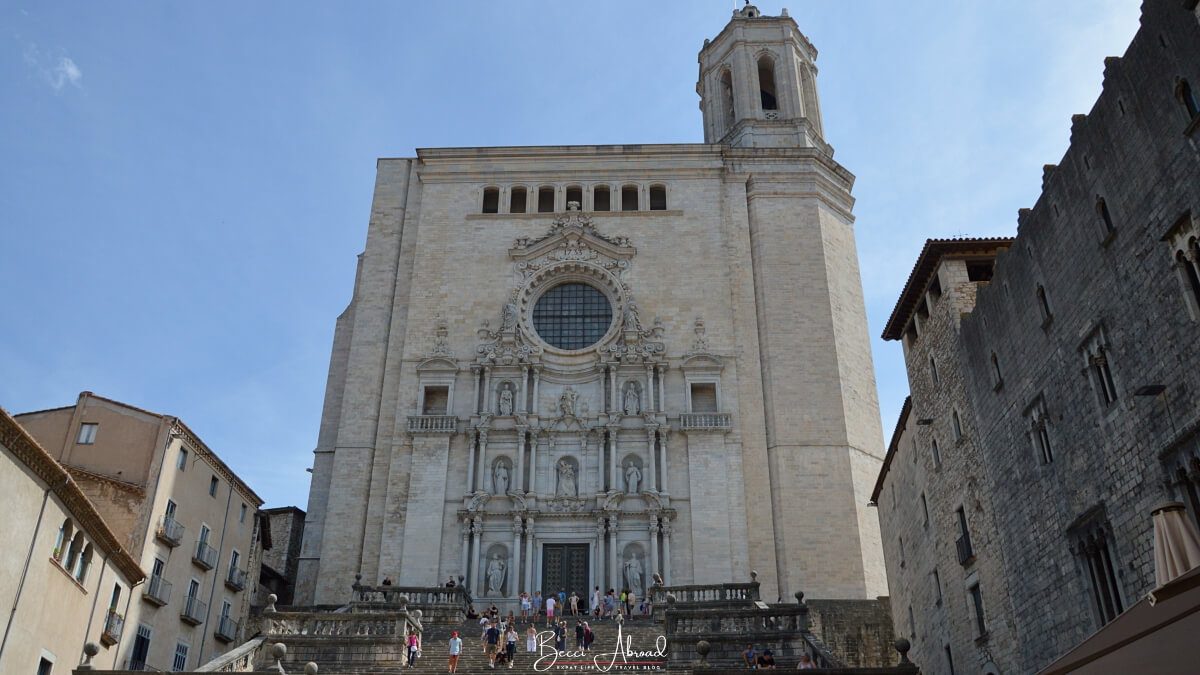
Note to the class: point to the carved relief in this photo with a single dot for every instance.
(568, 483)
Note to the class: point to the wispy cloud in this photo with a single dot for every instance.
(57, 71)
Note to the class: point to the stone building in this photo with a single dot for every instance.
(575, 366)
(186, 517)
(65, 578)
(1054, 384)
(283, 531)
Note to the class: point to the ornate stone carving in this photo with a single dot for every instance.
(573, 218)
(477, 501)
(568, 485)
(700, 344)
(566, 504)
(441, 346)
(566, 402)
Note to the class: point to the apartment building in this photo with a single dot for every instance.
(189, 521)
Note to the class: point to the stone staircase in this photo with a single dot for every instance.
(640, 634)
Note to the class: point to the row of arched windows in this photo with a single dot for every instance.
(73, 551)
(768, 94)
(552, 199)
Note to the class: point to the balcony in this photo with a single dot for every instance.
(227, 629)
(157, 591)
(194, 610)
(113, 625)
(136, 664)
(170, 531)
(703, 421)
(236, 579)
(205, 556)
(431, 424)
(966, 554)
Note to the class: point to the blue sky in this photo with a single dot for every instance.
(184, 186)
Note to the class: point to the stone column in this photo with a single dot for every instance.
(471, 461)
(666, 533)
(598, 556)
(653, 545)
(614, 567)
(533, 464)
(652, 450)
(466, 546)
(529, 554)
(612, 390)
(612, 456)
(475, 381)
(519, 479)
(662, 459)
(648, 392)
(487, 389)
(662, 396)
(537, 379)
(473, 580)
(523, 389)
(480, 472)
(514, 568)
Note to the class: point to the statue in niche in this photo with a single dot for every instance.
(506, 400)
(566, 480)
(496, 571)
(632, 320)
(508, 317)
(633, 400)
(633, 575)
(500, 477)
(566, 402)
(633, 478)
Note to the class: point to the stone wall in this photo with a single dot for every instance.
(858, 632)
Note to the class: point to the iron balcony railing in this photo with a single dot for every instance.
(236, 579)
(138, 664)
(157, 591)
(965, 552)
(114, 623)
(194, 610)
(170, 531)
(227, 629)
(205, 556)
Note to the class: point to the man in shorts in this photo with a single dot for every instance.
(550, 602)
(492, 644)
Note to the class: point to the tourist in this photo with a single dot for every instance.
(573, 602)
(619, 617)
(483, 636)
(596, 600)
(621, 600)
(560, 636)
(766, 660)
(537, 604)
(455, 651)
(494, 612)
(387, 581)
(531, 639)
(562, 601)
(450, 582)
(510, 643)
(550, 611)
(630, 603)
(471, 613)
(806, 663)
(609, 604)
(525, 605)
(492, 644)
(414, 649)
(588, 637)
(750, 657)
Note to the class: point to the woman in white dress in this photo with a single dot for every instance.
(531, 639)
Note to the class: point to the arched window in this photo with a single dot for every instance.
(491, 200)
(64, 538)
(629, 198)
(81, 567)
(1187, 97)
(574, 194)
(74, 551)
(727, 107)
(658, 198)
(1105, 217)
(601, 198)
(546, 199)
(766, 83)
(519, 200)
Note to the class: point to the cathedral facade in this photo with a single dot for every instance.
(575, 366)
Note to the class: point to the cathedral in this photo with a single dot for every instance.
(566, 367)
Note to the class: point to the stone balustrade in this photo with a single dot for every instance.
(432, 424)
(243, 659)
(417, 596)
(326, 624)
(735, 594)
(700, 421)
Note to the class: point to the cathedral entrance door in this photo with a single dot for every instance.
(565, 568)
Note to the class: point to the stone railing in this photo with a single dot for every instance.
(432, 424)
(698, 421)
(325, 624)
(786, 619)
(738, 595)
(417, 596)
(242, 659)
(717, 638)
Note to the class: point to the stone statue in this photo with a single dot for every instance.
(495, 575)
(508, 318)
(566, 402)
(633, 478)
(506, 401)
(566, 479)
(632, 320)
(633, 575)
(633, 401)
(500, 478)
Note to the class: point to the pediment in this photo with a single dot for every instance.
(437, 365)
(573, 237)
(702, 362)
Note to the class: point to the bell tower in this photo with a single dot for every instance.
(758, 84)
